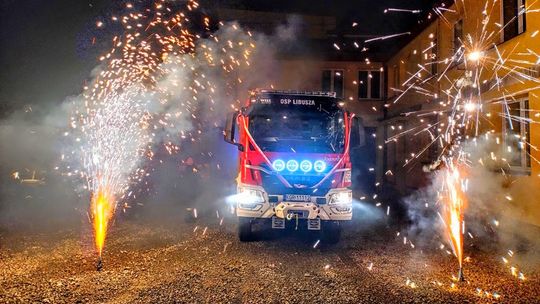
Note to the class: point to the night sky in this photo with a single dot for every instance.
(47, 51)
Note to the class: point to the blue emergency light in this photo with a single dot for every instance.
(292, 165)
(305, 165)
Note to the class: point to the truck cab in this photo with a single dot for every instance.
(294, 164)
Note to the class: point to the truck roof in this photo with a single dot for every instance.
(293, 99)
(293, 92)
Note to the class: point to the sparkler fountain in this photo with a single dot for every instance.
(453, 208)
(113, 141)
(472, 85)
(102, 211)
(153, 82)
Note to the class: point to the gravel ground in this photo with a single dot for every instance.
(146, 262)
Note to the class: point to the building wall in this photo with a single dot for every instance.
(399, 146)
(489, 39)
(307, 75)
(309, 26)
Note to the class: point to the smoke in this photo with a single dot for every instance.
(191, 165)
(32, 192)
(203, 172)
(503, 199)
(500, 208)
(289, 32)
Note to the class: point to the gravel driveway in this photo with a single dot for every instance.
(202, 262)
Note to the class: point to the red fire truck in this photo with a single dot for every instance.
(294, 164)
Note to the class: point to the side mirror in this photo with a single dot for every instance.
(358, 135)
(229, 133)
(230, 127)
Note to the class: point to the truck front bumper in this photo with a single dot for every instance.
(260, 207)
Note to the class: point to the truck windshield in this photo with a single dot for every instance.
(306, 131)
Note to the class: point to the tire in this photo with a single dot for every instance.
(244, 229)
(331, 233)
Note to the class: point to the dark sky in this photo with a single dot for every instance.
(368, 13)
(47, 52)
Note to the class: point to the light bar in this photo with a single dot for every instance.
(292, 165)
(306, 166)
(278, 165)
(319, 166)
(292, 92)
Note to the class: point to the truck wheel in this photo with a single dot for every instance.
(244, 229)
(331, 233)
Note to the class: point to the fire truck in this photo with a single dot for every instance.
(294, 161)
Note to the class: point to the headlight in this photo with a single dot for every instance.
(341, 198)
(250, 196)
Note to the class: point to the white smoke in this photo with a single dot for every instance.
(44, 140)
(497, 204)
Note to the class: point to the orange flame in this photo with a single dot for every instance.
(454, 201)
(102, 212)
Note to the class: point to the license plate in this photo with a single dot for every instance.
(297, 198)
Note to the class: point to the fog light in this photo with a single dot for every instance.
(342, 209)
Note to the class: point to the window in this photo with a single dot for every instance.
(397, 83)
(433, 55)
(458, 38)
(513, 15)
(363, 84)
(332, 81)
(517, 135)
(369, 84)
(390, 159)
